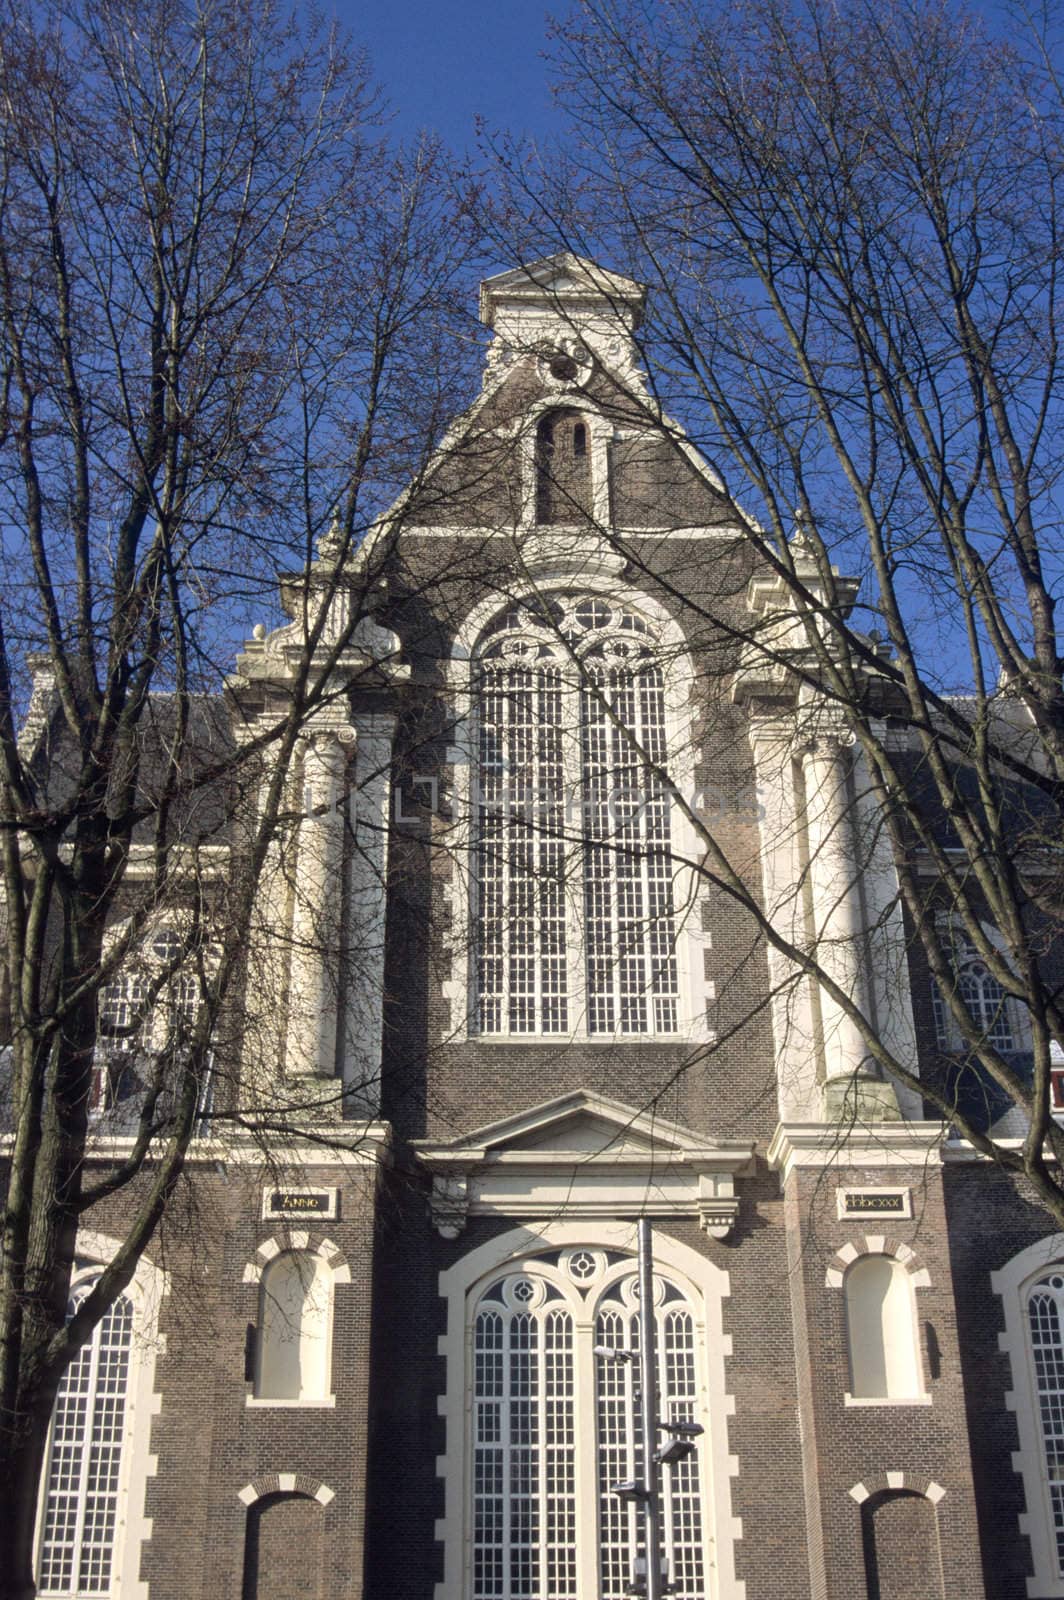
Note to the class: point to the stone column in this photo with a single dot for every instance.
(852, 1087)
(314, 969)
(772, 741)
(370, 818)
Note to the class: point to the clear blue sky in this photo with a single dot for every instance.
(444, 62)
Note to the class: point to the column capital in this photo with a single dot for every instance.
(334, 737)
(825, 733)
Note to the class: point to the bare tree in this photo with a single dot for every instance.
(848, 220)
(220, 295)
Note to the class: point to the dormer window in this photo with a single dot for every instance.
(563, 468)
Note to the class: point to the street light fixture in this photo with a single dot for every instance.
(649, 1580)
(667, 1455)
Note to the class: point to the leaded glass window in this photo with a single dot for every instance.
(524, 1504)
(575, 913)
(555, 1427)
(620, 1442)
(80, 1511)
(984, 999)
(1045, 1305)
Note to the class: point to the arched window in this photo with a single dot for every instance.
(575, 919)
(538, 1475)
(563, 468)
(882, 1329)
(295, 1328)
(147, 1012)
(993, 1014)
(81, 1505)
(1045, 1324)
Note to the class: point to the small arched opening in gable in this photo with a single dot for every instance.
(563, 468)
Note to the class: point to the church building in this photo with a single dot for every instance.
(397, 1358)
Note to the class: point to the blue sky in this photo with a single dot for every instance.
(444, 62)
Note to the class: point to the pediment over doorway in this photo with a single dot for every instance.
(584, 1155)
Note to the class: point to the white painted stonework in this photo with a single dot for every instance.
(586, 1156)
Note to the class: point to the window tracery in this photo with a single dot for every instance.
(988, 1006)
(573, 828)
(147, 1011)
(534, 1376)
(1045, 1326)
(91, 1524)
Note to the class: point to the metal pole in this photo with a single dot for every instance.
(649, 1409)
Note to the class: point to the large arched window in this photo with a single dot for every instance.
(81, 1498)
(147, 1012)
(575, 908)
(1045, 1325)
(91, 1521)
(1031, 1287)
(555, 1427)
(992, 1013)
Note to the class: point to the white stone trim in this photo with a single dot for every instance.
(876, 1245)
(255, 1402)
(918, 1278)
(707, 1286)
(1011, 1283)
(285, 1483)
(820, 1145)
(368, 814)
(589, 1156)
(133, 1529)
(895, 1481)
(298, 1239)
(877, 1400)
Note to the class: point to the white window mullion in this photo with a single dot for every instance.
(586, 1474)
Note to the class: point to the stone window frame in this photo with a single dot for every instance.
(918, 1277)
(147, 1289)
(551, 567)
(705, 1284)
(1012, 1283)
(289, 1242)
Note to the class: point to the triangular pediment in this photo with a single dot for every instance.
(559, 278)
(584, 1155)
(584, 1126)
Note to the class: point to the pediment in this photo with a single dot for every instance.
(583, 1126)
(559, 278)
(587, 1156)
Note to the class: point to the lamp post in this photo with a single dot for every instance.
(648, 1399)
(646, 1487)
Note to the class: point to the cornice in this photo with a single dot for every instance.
(818, 1145)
